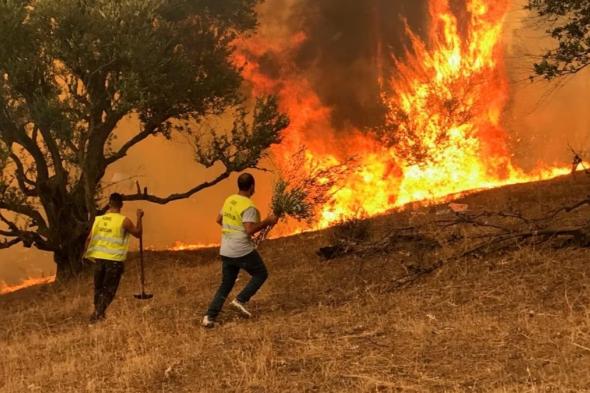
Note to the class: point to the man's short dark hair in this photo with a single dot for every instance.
(116, 200)
(245, 182)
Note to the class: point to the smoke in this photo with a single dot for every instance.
(18, 264)
(349, 47)
(544, 118)
(348, 50)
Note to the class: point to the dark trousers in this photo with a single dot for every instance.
(253, 264)
(107, 275)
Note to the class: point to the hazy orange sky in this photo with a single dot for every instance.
(541, 120)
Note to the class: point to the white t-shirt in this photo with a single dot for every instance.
(238, 245)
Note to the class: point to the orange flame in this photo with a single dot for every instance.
(29, 282)
(181, 246)
(444, 119)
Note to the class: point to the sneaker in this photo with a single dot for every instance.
(208, 322)
(241, 308)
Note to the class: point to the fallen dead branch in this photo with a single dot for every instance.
(399, 239)
(581, 347)
(492, 231)
(574, 236)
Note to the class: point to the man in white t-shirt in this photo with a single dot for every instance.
(240, 220)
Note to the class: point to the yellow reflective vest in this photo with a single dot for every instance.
(109, 239)
(232, 211)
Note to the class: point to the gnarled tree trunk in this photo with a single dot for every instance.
(69, 225)
(69, 262)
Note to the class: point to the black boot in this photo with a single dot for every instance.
(96, 318)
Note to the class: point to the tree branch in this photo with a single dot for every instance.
(23, 181)
(6, 233)
(13, 133)
(174, 197)
(11, 225)
(12, 233)
(28, 211)
(28, 238)
(139, 137)
(9, 243)
(56, 157)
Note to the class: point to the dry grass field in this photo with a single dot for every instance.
(514, 321)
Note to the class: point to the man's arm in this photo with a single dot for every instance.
(253, 228)
(135, 230)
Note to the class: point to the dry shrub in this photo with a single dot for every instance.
(305, 186)
(352, 230)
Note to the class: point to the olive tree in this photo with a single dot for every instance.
(72, 70)
(570, 27)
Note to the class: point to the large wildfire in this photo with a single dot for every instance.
(443, 132)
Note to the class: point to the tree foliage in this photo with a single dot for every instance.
(71, 70)
(570, 27)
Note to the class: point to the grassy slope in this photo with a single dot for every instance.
(518, 322)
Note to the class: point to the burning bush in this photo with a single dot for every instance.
(303, 189)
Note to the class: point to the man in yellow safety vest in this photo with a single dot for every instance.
(240, 220)
(107, 245)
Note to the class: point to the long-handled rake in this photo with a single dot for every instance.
(143, 295)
